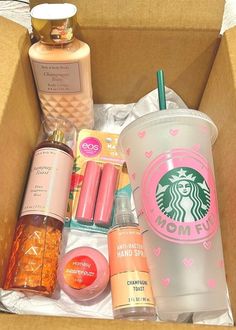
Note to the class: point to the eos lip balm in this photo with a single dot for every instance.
(106, 194)
(88, 193)
(83, 273)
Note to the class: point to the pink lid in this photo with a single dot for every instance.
(83, 273)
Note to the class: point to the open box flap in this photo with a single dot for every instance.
(19, 124)
(24, 124)
(219, 102)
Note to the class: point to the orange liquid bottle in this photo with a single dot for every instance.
(33, 261)
(131, 290)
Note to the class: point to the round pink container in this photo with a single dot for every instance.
(83, 273)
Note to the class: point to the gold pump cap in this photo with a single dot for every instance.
(54, 24)
(57, 136)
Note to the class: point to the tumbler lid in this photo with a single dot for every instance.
(168, 117)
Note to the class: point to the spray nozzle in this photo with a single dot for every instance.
(123, 213)
(57, 136)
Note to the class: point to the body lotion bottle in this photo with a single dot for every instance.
(61, 65)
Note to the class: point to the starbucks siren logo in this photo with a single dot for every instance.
(179, 197)
(183, 195)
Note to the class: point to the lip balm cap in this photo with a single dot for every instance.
(88, 193)
(106, 193)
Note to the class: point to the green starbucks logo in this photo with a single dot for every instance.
(183, 195)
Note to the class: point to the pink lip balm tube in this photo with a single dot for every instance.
(88, 193)
(105, 199)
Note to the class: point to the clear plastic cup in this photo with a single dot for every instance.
(169, 159)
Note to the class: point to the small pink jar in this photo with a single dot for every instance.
(83, 273)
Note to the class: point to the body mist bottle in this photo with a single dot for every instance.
(131, 290)
(33, 261)
(61, 65)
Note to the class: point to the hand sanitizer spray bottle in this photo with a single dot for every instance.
(130, 282)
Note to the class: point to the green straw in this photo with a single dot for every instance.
(161, 90)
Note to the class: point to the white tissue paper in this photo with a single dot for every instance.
(108, 118)
(115, 117)
(229, 17)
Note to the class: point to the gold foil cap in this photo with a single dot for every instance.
(57, 136)
(54, 24)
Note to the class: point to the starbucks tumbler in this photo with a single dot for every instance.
(169, 159)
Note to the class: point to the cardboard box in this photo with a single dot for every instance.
(129, 40)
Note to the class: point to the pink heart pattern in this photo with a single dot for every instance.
(211, 283)
(165, 282)
(173, 132)
(127, 151)
(207, 245)
(188, 262)
(220, 263)
(148, 154)
(141, 134)
(204, 128)
(157, 251)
